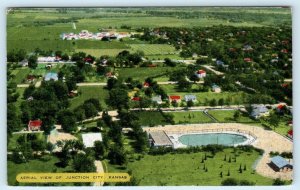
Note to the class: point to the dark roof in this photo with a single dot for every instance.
(279, 161)
(160, 138)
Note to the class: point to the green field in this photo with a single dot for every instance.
(154, 49)
(187, 169)
(87, 92)
(190, 117)
(20, 74)
(100, 52)
(32, 166)
(150, 118)
(227, 116)
(12, 144)
(141, 73)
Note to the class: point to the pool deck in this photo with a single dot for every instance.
(265, 139)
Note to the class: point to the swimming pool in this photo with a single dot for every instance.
(227, 139)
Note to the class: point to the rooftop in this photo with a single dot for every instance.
(89, 139)
(279, 161)
(160, 138)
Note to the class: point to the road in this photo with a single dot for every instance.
(208, 67)
(99, 169)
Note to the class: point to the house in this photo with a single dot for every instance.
(219, 62)
(284, 51)
(195, 55)
(30, 98)
(259, 110)
(247, 48)
(157, 99)
(90, 138)
(281, 107)
(110, 75)
(159, 139)
(175, 98)
(23, 63)
(146, 85)
(30, 78)
(49, 59)
(190, 97)
(34, 125)
(48, 66)
(136, 99)
(51, 76)
(278, 163)
(215, 88)
(247, 59)
(73, 93)
(201, 74)
(290, 134)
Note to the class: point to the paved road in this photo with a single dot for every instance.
(99, 169)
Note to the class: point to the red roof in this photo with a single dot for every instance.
(290, 132)
(284, 51)
(136, 99)
(201, 72)
(146, 84)
(280, 106)
(175, 97)
(35, 123)
(247, 59)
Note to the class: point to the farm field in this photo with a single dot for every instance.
(20, 74)
(87, 92)
(227, 116)
(154, 49)
(171, 169)
(190, 117)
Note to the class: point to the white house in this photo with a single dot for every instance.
(201, 74)
(90, 138)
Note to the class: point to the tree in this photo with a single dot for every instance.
(213, 102)
(184, 85)
(32, 61)
(99, 149)
(221, 102)
(190, 103)
(83, 163)
(278, 181)
(230, 182)
(169, 62)
(246, 183)
(118, 98)
(65, 57)
(117, 155)
(237, 115)
(67, 120)
(273, 120)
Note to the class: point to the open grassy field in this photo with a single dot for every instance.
(87, 92)
(32, 166)
(190, 117)
(154, 49)
(20, 74)
(150, 118)
(100, 52)
(187, 169)
(227, 116)
(142, 73)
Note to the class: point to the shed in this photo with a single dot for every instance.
(159, 138)
(51, 76)
(278, 163)
(190, 97)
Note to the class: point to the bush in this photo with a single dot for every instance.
(230, 182)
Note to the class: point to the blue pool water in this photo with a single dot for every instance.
(226, 139)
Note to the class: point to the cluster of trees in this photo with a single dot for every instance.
(89, 108)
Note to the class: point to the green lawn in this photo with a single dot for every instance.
(87, 92)
(154, 49)
(32, 166)
(20, 74)
(141, 73)
(12, 142)
(151, 118)
(190, 117)
(227, 116)
(100, 52)
(187, 169)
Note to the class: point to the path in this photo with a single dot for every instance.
(99, 169)
(104, 83)
(213, 70)
(266, 140)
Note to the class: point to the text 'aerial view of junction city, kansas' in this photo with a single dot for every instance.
(171, 96)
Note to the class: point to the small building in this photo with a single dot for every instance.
(157, 99)
(175, 98)
(278, 163)
(201, 74)
(34, 125)
(51, 76)
(23, 63)
(136, 99)
(290, 134)
(159, 138)
(281, 108)
(259, 110)
(30, 78)
(248, 59)
(247, 48)
(90, 138)
(284, 51)
(216, 88)
(190, 97)
(146, 85)
(219, 62)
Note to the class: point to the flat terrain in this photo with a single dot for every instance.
(190, 117)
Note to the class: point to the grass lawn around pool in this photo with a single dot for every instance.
(87, 92)
(224, 116)
(190, 117)
(150, 118)
(187, 169)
